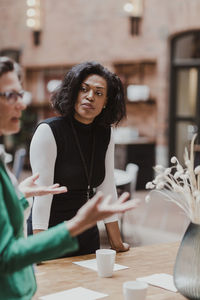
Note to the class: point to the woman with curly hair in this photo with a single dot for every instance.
(76, 149)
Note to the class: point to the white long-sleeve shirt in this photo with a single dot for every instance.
(43, 153)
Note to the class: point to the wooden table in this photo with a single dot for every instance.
(58, 275)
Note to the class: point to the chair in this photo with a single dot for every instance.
(19, 161)
(132, 169)
(8, 156)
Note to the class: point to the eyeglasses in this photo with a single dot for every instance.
(12, 97)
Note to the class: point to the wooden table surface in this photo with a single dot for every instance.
(61, 274)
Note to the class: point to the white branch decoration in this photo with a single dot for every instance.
(180, 185)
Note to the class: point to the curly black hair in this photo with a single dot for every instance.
(64, 98)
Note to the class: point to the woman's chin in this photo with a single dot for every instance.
(8, 131)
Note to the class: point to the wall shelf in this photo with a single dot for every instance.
(150, 101)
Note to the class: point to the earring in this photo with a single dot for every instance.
(104, 106)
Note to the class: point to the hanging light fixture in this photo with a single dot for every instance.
(134, 9)
(33, 20)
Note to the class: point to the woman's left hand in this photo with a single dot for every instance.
(29, 188)
(122, 248)
(114, 237)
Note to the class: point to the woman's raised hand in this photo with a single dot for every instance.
(29, 188)
(99, 208)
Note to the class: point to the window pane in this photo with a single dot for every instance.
(186, 92)
(184, 133)
(187, 46)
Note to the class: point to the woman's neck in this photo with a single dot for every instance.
(83, 120)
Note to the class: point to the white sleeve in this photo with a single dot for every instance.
(108, 185)
(43, 152)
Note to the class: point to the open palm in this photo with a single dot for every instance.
(29, 187)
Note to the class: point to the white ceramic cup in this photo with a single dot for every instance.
(105, 262)
(135, 290)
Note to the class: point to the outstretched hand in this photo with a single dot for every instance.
(99, 208)
(29, 188)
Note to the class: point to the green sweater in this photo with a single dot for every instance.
(17, 254)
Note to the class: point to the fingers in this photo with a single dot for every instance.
(55, 190)
(45, 190)
(107, 200)
(129, 205)
(123, 207)
(96, 199)
(124, 197)
(55, 185)
(124, 247)
(35, 176)
(60, 190)
(136, 201)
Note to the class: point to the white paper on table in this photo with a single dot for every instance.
(74, 294)
(162, 280)
(92, 264)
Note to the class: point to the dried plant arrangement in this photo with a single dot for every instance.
(179, 184)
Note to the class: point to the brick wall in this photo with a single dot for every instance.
(79, 30)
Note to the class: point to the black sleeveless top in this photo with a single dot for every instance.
(69, 171)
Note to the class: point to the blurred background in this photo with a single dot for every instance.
(153, 46)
